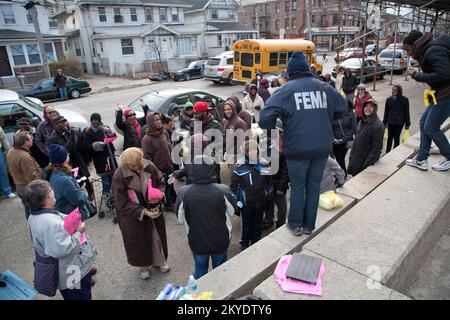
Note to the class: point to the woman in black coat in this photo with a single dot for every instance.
(368, 140)
(396, 115)
(344, 129)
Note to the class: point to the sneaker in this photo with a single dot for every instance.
(11, 195)
(296, 231)
(307, 231)
(164, 268)
(422, 165)
(442, 165)
(145, 275)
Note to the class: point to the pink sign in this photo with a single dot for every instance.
(71, 223)
(75, 171)
(132, 196)
(109, 139)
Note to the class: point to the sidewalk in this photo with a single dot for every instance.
(103, 83)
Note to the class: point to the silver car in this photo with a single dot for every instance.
(220, 68)
(386, 58)
(13, 107)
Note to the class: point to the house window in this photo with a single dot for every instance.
(29, 17)
(118, 18)
(277, 7)
(133, 14)
(33, 53)
(148, 14)
(49, 52)
(102, 14)
(277, 25)
(175, 15)
(18, 55)
(287, 6)
(127, 46)
(52, 23)
(323, 20)
(8, 14)
(162, 14)
(219, 40)
(77, 49)
(286, 23)
(101, 46)
(294, 5)
(214, 14)
(294, 23)
(266, 8)
(231, 14)
(335, 19)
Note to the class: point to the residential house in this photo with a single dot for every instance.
(19, 49)
(216, 22)
(119, 38)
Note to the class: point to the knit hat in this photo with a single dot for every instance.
(188, 105)
(96, 116)
(58, 119)
(201, 107)
(362, 86)
(24, 120)
(131, 156)
(412, 37)
(264, 82)
(57, 154)
(297, 63)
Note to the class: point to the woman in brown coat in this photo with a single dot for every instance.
(140, 219)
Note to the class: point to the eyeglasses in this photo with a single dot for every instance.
(131, 114)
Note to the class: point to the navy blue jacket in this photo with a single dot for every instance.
(307, 107)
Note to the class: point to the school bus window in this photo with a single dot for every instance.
(236, 56)
(247, 59)
(282, 58)
(290, 54)
(257, 58)
(273, 59)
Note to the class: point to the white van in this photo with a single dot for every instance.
(220, 68)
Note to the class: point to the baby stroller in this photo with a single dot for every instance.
(108, 205)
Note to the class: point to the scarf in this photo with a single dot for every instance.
(136, 126)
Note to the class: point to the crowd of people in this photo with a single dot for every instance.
(318, 122)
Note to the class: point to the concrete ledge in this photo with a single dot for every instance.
(385, 230)
(242, 273)
(339, 283)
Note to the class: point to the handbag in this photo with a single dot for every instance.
(46, 275)
(91, 208)
(348, 144)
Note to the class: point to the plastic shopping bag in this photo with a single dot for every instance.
(385, 135)
(405, 136)
(330, 200)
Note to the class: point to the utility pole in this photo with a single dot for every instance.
(257, 24)
(364, 42)
(395, 45)
(308, 17)
(339, 28)
(376, 50)
(408, 63)
(31, 6)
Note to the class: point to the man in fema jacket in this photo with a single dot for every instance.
(307, 107)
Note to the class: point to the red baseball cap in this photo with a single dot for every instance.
(201, 106)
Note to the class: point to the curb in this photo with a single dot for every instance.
(131, 86)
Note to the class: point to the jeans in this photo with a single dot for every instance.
(269, 214)
(340, 151)
(202, 262)
(63, 93)
(430, 130)
(84, 293)
(251, 224)
(21, 194)
(106, 182)
(5, 187)
(305, 177)
(394, 132)
(169, 191)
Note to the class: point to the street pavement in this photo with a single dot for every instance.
(116, 279)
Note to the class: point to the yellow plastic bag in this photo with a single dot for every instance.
(330, 200)
(405, 136)
(343, 93)
(385, 135)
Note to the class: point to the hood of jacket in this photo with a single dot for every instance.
(373, 115)
(204, 172)
(421, 44)
(236, 102)
(250, 91)
(151, 127)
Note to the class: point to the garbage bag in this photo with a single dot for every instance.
(330, 200)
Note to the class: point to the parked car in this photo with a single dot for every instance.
(372, 49)
(397, 45)
(220, 68)
(160, 100)
(193, 69)
(46, 89)
(14, 106)
(354, 65)
(348, 53)
(386, 58)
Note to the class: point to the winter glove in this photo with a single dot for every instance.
(258, 108)
(98, 146)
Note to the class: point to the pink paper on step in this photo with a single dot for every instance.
(295, 286)
(109, 139)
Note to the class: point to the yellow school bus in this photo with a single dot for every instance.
(269, 56)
